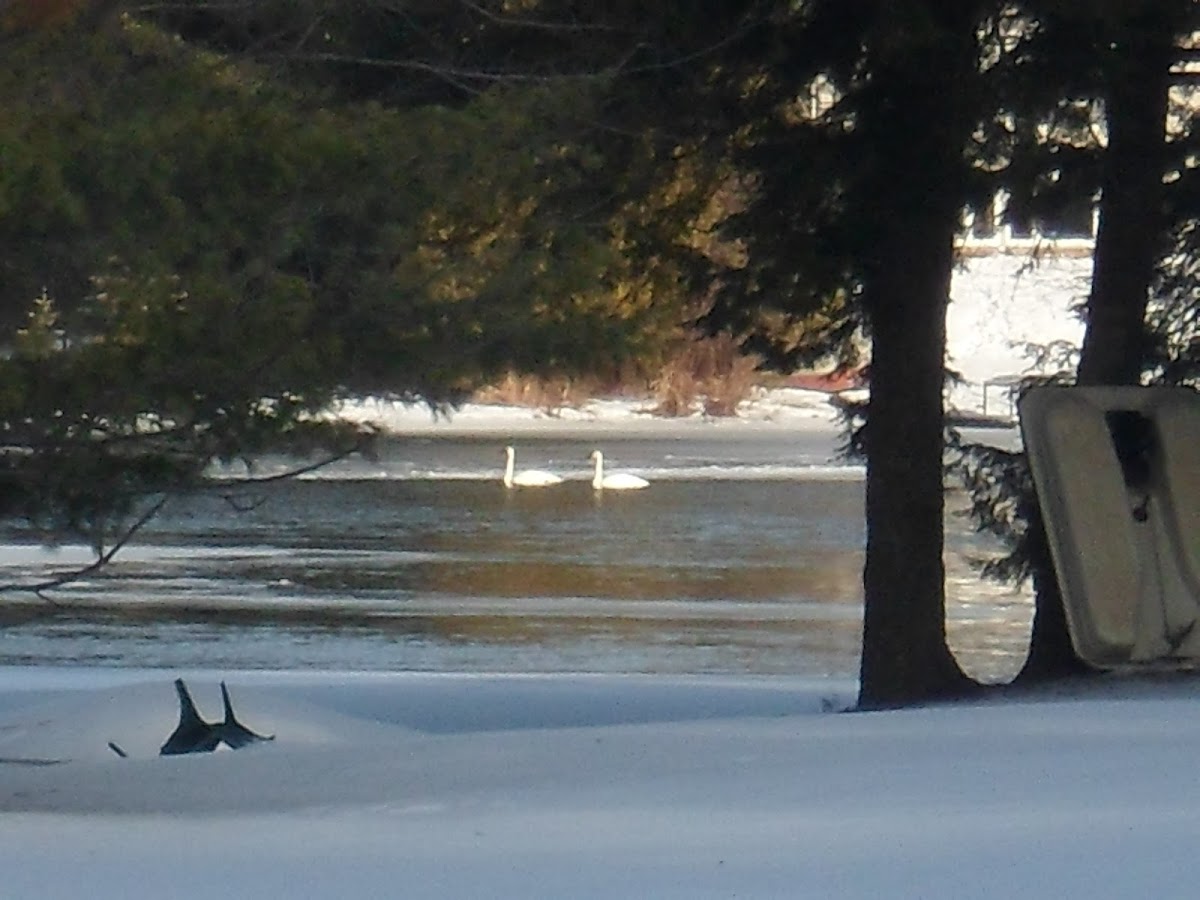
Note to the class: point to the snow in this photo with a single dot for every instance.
(999, 304)
(782, 409)
(476, 785)
(592, 786)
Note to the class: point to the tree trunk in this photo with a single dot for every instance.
(1128, 241)
(1051, 656)
(913, 202)
(905, 657)
(1132, 215)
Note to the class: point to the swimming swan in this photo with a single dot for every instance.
(528, 478)
(618, 481)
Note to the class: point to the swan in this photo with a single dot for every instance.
(527, 478)
(618, 481)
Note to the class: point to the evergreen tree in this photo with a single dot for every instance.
(216, 255)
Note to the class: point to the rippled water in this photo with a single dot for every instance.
(744, 556)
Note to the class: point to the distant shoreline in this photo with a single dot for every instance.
(781, 410)
(773, 413)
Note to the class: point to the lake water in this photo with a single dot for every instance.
(744, 556)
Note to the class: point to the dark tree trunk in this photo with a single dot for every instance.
(905, 657)
(1051, 654)
(1128, 242)
(920, 107)
(1132, 214)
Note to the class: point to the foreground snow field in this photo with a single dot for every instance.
(414, 785)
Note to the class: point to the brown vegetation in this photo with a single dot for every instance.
(708, 375)
(548, 394)
(703, 375)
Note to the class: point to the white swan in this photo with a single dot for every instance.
(618, 481)
(527, 478)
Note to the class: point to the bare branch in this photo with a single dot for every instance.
(536, 24)
(40, 587)
(440, 70)
(192, 7)
(104, 558)
(299, 470)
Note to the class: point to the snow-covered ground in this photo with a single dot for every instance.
(1004, 310)
(469, 785)
(778, 410)
(601, 786)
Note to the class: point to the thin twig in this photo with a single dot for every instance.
(536, 24)
(253, 481)
(98, 563)
(40, 587)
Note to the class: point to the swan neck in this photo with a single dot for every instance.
(598, 478)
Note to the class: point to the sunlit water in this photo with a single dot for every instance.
(744, 556)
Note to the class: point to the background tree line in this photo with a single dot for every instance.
(239, 210)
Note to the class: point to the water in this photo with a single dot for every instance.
(744, 556)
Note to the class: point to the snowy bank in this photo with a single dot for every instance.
(577, 786)
(785, 409)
